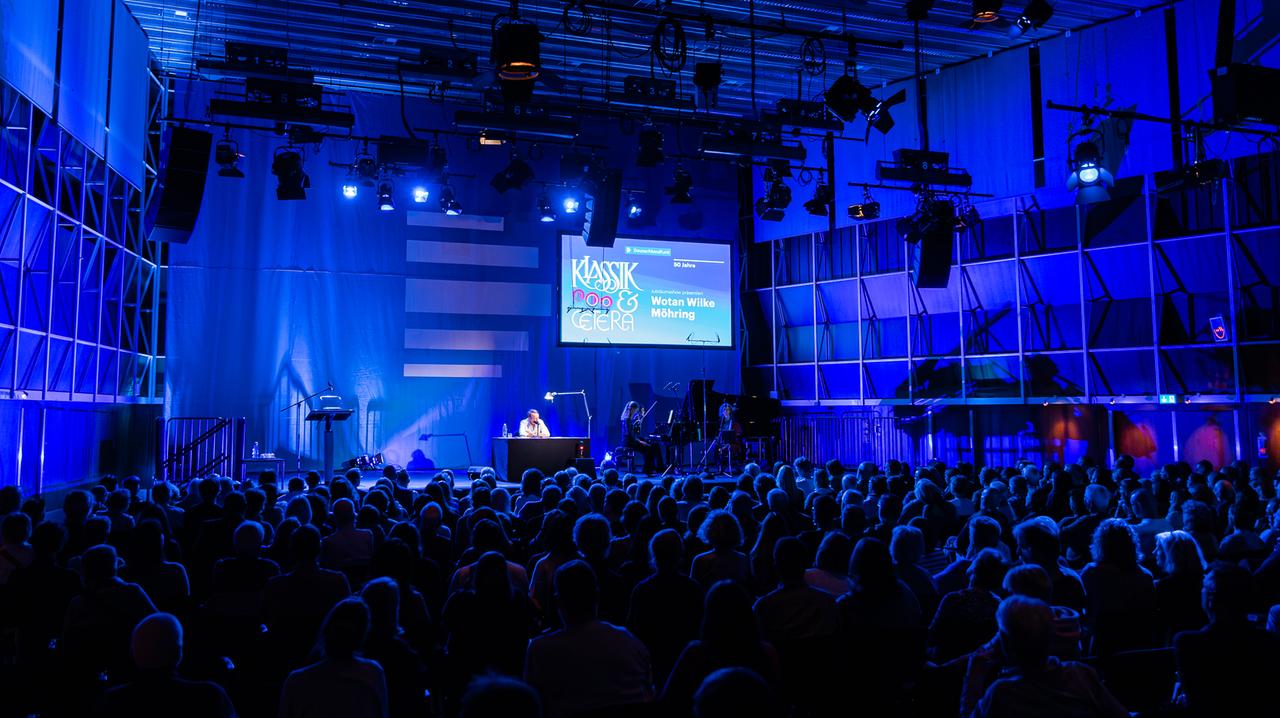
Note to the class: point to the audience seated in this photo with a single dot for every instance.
(1037, 683)
(463, 592)
(158, 691)
(588, 665)
(1227, 668)
(341, 683)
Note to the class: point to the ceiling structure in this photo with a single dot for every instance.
(590, 46)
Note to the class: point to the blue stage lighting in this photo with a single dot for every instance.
(545, 212)
(571, 204)
(350, 189)
(386, 202)
(420, 195)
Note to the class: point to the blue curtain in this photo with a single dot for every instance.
(272, 300)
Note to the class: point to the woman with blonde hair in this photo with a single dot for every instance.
(1181, 575)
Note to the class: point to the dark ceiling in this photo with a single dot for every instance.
(356, 44)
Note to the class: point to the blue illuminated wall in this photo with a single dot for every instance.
(425, 324)
(79, 288)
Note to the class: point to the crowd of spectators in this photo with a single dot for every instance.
(790, 590)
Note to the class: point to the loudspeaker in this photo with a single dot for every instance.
(1245, 93)
(604, 201)
(184, 165)
(584, 466)
(931, 259)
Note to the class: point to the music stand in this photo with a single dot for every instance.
(328, 416)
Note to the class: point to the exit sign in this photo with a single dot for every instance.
(1168, 398)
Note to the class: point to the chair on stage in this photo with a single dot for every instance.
(625, 454)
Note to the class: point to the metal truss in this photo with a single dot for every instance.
(79, 283)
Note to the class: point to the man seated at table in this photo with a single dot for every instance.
(533, 427)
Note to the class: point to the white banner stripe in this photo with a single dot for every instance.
(462, 221)
(475, 255)
(453, 371)
(449, 296)
(466, 340)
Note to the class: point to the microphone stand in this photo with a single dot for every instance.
(298, 403)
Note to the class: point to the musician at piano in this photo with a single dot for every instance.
(533, 427)
(632, 437)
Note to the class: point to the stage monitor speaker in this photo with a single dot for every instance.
(584, 466)
(184, 165)
(604, 201)
(931, 259)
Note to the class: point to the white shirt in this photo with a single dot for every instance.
(538, 431)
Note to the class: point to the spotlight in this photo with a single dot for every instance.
(869, 208)
(706, 77)
(386, 202)
(847, 99)
(985, 11)
(516, 51)
(932, 218)
(437, 160)
(571, 204)
(365, 168)
(448, 204)
(650, 153)
(227, 155)
(545, 212)
(1034, 17)
(1089, 179)
(291, 181)
(350, 189)
(634, 208)
(513, 176)
(820, 205)
(772, 207)
(681, 183)
(421, 195)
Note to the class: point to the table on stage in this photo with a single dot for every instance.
(512, 455)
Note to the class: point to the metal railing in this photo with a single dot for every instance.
(190, 447)
(850, 437)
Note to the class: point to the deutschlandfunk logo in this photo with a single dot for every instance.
(648, 251)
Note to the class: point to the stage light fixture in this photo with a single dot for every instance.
(571, 204)
(1089, 179)
(820, 205)
(1036, 14)
(514, 176)
(421, 195)
(386, 200)
(350, 189)
(847, 99)
(227, 155)
(932, 218)
(635, 209)
(437, 159)
(545, 211)
(650, 151)
(517, 51)
(772, 207)
(869, 208)
(707, 77)
(291, 180)
(681, 184)
(448, 203)
(985, 11)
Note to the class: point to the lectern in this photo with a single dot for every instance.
(328, 416)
